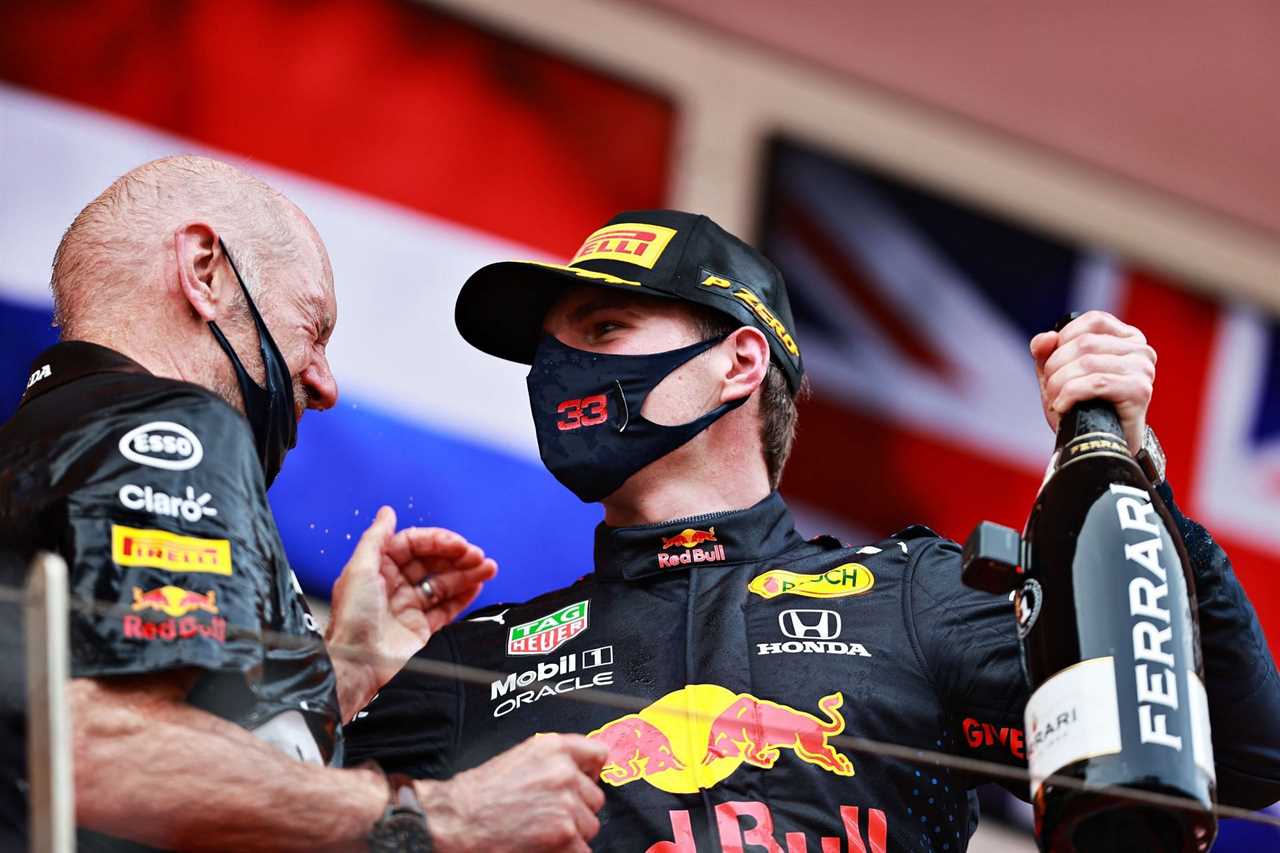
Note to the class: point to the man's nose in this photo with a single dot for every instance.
(322, 388)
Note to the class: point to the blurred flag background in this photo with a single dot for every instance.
(929, 218)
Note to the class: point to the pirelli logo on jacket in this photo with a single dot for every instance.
(160, 549)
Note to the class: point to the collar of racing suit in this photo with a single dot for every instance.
(728, 538)
(68, 360)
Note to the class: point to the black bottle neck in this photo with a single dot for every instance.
(1093, 416)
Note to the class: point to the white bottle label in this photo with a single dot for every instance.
(1201, 742)
(1072, 716)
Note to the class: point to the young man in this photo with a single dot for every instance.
(204, 701)
(664, 366)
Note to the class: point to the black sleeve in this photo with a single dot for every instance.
(1240, 675)
(411, 726)
(167, 566)
(968, 645)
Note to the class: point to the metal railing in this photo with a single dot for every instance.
(46, 607)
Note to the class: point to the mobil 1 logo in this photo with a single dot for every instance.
(573, 671)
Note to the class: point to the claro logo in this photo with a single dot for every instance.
(162, 444)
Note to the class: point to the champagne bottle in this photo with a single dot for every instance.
(1105, 605)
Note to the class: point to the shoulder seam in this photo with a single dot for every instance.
(908, 592)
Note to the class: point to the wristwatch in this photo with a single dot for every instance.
(403, 826)
(1150, 458)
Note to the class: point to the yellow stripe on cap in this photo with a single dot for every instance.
(581, 273)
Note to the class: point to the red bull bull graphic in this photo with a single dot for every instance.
(697, 736)
(174, 600)
(690, 539)
(637, 748)
(755, 730)
(735, 838)
(844, 580)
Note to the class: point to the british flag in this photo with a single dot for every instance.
(914, 315)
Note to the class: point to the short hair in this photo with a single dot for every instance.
(778, 413)
(118, 237)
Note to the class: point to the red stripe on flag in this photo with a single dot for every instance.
(885, 475)
(386, 97)
(1182, 327)
(843, 269)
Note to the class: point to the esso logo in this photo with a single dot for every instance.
(162, 444)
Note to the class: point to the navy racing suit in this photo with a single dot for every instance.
(749, 651)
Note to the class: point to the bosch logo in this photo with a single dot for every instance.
(810, 624)
(162, 444)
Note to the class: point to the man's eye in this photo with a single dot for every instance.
(604, 328)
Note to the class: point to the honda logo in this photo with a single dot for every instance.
(810, 624)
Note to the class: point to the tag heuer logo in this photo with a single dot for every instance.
(549, 632)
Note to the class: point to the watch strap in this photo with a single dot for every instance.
(403, 825)
(1151, 458)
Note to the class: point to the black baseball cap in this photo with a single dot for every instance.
(664, 253)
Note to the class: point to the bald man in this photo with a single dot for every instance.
(195, 304)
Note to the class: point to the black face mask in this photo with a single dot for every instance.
(270, 410)
(586, 411)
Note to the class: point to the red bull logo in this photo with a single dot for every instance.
(696, 737)
(759, 833)
(689, 539)
(174, 600)
(756, 729)
(637, 748)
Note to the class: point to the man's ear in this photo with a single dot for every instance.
(748, 350)
(199, 254)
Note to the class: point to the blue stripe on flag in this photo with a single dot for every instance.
(24, 332)
(354, 458)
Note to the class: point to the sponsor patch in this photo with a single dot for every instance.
(747, 296)
(42, 372)
(844, 580)
(160, 549)
(500, 618)
(174, 600)
(629, 242)
(168, 630)
(696, 737)
(978, 735)
(549, 632)
(811, 632)
(689, 539)
(162, 444)
(146, 499)
(566, 674)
